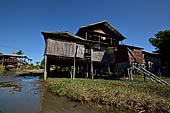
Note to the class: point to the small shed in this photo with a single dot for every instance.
(153, 61)
(126, 55)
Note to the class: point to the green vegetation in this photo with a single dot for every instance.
(161, 42)
(42, 63)
(136, 96)
(1, 69)
(20, 52)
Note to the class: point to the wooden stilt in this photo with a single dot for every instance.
(108, 68)
(92, 75)
(45, 68)
(118, 72)
(71, 74)
(87, 70)
(131, 74)
(144, 77)
(74, 69)
(2, 61)
(128, 73)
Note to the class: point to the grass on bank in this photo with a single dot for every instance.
(135, 96)
(1, 69)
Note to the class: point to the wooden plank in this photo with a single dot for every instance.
(60, 48)
(74, 69)
(80, 51)
(97, 56)
(45, 68)
(92, 75)
(87, 70)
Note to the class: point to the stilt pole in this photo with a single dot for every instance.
(45, 68)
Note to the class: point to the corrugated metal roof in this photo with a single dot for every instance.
(131, 46)
(147, 52)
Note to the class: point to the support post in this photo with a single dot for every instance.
(144, 77)
(3, 61)
(92, 75)
(128, 73)
(87, 70)
(108, 68)
(71, 74)
(74, 69)
(131, 75)
(86, 36)
(45, 68)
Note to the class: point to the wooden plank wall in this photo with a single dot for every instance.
(98, 56)
(63, 48)
(80, 51)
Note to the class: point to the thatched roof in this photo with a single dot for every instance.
(67, 36)
(104, 25)
(62, 34)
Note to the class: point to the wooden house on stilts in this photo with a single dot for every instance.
(91, 50)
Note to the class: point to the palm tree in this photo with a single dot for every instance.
(20, 52)
(37, 63)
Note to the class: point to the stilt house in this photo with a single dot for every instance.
(13, 60)
(91, 50)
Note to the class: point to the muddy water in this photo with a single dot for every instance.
(26, 94)
(19, 94)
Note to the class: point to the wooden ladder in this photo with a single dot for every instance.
(143, 70)
(151, 75)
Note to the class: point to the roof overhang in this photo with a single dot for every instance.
(14, 55)
(105, 24)
(58, 34)
(129, 46)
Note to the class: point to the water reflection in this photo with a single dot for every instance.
(19, 94)
(11, 87)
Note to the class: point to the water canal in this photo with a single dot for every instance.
(26, 94)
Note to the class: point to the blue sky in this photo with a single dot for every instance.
(21, 21)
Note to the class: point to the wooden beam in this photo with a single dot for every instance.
(87, 70)
(111, 40)
(74, 69)
(3, 61)
(144, 77)
(108, 68)
(45, 68)
(86, 36)
(92, 75)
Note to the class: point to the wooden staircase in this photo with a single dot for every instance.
(152, 76)
(146, 72)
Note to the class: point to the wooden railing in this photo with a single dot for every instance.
(12, 61)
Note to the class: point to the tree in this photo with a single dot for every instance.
(20, 52)
(42, 63)
(37, 63)
(161, 42)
